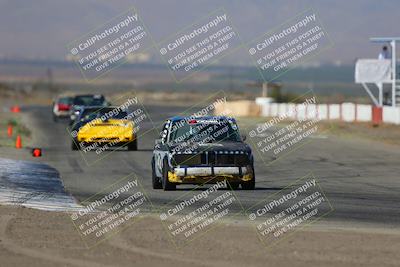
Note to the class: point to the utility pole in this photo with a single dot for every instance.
(264, 92)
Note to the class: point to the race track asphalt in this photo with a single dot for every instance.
(361, 179)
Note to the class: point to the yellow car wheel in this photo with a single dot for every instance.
(132, 146)
(75, 145)
(233, 185)
(250, 185)
(166, 184)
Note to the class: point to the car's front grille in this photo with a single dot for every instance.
(223, 159)
(189, 159)
(211, 158)
(230, 159)
(104, 139)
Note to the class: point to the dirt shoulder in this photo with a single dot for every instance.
(38, 238)
(18, 126)
(384, 133)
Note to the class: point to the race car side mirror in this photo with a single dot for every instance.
(244, 137)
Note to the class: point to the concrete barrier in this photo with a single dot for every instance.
(240, 108)
(301, 112)
(391, 115)
(312, 111)
(291, 110)
(273, 112)
(282, 109)
(265, 108)
(264, 100)
(363, 113)
(348, 112)
(334, 112)
(323, 112)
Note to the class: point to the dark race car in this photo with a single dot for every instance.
(81, 101)
(201, 150)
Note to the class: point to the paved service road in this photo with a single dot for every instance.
(361, 179)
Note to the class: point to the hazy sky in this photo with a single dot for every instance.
(42, 28)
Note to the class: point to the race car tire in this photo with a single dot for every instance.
(166, 184)
(250, 185)
(132, 146)
(55, 118)
(154, 179)
(74, 145)
(233, 185)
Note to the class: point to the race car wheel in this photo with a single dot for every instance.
(166, 184)
(155, 180)
(250, 185)
(55, 118)
(74, 145)
(232, 185)
(132, 146)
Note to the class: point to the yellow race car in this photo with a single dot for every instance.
(98, 129)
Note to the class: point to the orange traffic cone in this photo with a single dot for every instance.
(18, 142)
(9, 130)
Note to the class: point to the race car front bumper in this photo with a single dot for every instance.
(205, 171)
(61, 113)
(202, 174)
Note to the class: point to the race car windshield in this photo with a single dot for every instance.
(89, 101)
(207, 132)
(89, 115)
(65, 100)
(113, 113)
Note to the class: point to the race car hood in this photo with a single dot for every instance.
(111, 126)
(110, 122)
